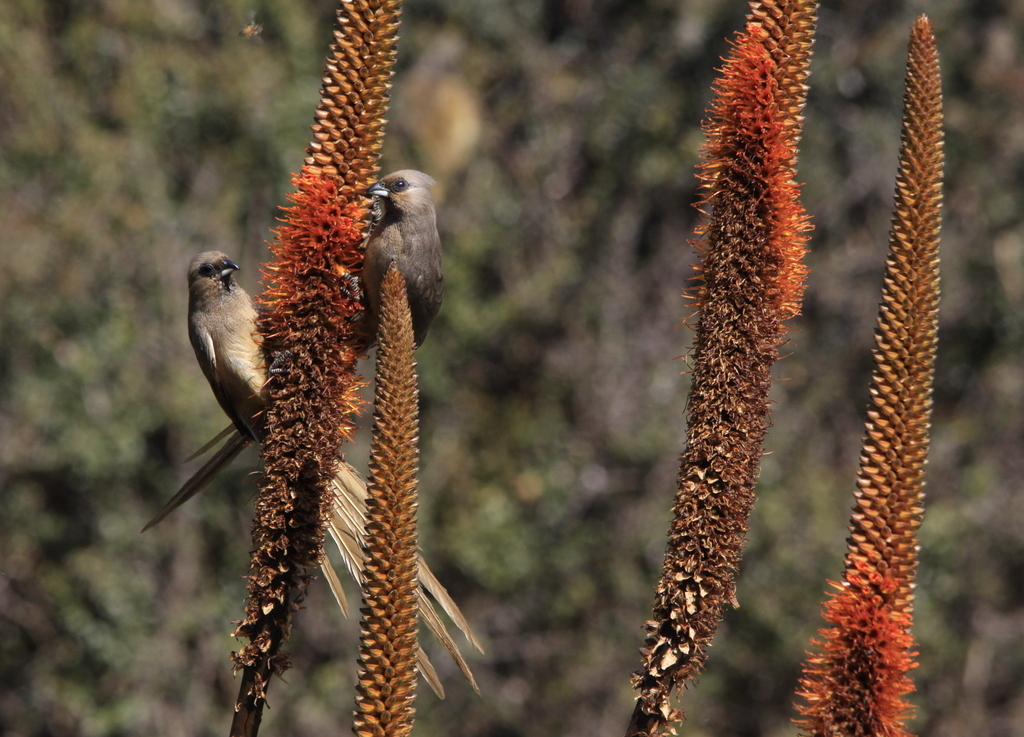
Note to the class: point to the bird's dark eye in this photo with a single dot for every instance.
(399, 185)
(207, 269)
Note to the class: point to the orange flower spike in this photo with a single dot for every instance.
(742, 119)
(863, 697)
(753, 240)
(857, 683)
(308, 334)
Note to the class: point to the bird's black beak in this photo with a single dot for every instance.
(378, 190)
(227, 268)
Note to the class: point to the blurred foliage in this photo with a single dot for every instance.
(563, 134)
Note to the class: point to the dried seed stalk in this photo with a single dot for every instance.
(307, 333)
(752, 273)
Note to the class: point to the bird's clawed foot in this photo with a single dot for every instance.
(279, 366)
(351, 286)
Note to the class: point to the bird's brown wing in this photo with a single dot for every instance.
(206, 356)
(232, 365)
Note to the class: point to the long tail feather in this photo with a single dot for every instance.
(212, 442)
(217, 463)
(429, 616)
(346, 527)
(335, 583)
(351, 554)
(429, 582)
(427, 669)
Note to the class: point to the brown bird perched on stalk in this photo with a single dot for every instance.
(222, 324)
(404, 233)
(221, 321)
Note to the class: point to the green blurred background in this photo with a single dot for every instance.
(563, 135)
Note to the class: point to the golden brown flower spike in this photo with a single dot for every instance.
(350, 123)
(752, 281)
(856, 685)
(308, 334)
(387, 656)
(786, 29)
